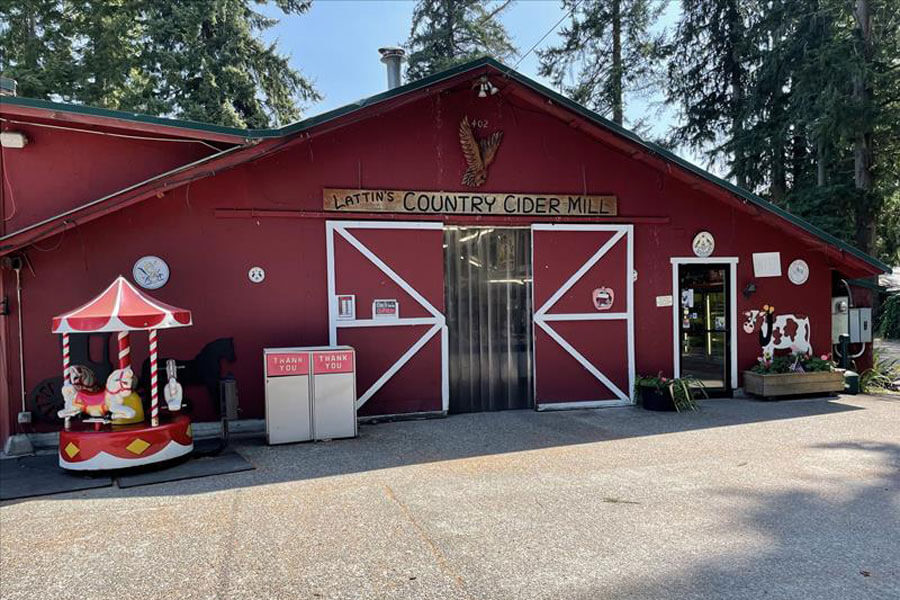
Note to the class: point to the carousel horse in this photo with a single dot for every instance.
(205, 369)
(79, 398)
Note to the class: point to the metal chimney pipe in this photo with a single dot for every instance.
(392, 56)
(7, 86)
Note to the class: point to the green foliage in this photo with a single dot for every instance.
(201, 60)
(889, 319)
(682, 391)
(612, 50)
(801, 103)
(882, 375)
(792, 363)
(446, 33)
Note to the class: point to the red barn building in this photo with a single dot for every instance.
(483, 242)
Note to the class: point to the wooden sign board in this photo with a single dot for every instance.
(468, 203)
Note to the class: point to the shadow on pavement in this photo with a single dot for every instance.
(837, 546)
(396, 444)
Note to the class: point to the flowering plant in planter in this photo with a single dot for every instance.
(792, 363)
(793, 375)
(659, 392)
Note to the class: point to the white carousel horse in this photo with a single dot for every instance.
(119, 385)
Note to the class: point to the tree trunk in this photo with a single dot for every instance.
(862, 143)
(820, 162)
(617, 71)
(736, 80)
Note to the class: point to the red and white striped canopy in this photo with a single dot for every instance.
(121, 307)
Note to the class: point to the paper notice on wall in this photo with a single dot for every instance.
(687, 297)
(767, 264)
(664, 301)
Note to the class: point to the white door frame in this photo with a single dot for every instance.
(676, 308)
(436, 320)
(541, 317)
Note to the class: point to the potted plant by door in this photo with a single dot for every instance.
(658, 392)
(793, 375)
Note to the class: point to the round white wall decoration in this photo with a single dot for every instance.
(150, 272)
(256, 274)
(798, 272)
(704, 244)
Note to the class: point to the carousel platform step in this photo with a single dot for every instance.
(229, 461)
(40, 475)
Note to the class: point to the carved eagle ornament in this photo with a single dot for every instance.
(479, 153)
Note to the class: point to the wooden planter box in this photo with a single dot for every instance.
(793, 384)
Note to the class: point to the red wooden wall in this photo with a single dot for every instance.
(412, 147)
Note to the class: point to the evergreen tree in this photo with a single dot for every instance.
(201, 60)
(36, 46)
(707, 75)
(449, 32)
(613, 49)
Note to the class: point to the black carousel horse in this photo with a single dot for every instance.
(205, 370)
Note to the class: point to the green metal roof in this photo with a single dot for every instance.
(512, 74)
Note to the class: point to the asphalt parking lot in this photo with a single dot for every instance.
(744, 499)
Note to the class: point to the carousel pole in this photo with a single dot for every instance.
(154, 387)
(65, 355)
(124, 350)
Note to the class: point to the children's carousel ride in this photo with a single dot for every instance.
(112, 431)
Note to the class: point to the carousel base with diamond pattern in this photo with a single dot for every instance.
(82, 448)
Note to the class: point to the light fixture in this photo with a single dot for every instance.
(13, 139)
(484, 87)
(749, 289)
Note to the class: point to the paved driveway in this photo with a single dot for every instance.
(744, 499)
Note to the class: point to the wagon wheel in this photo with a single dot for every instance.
(45, 399)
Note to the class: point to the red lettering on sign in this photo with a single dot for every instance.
(283, 364)
(338, 361)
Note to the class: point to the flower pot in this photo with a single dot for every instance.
(775, 385)
(655, 399)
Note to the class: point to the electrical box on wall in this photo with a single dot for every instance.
(860, 325)
(840, 324)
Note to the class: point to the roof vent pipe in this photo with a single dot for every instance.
(7, 86)
(392, 56)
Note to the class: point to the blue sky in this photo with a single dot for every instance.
(336, 45)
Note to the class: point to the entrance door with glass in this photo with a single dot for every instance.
(704, 323)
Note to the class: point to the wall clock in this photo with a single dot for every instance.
(704, 244)
(150, 272)
(798, 272)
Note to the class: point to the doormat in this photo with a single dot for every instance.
(40, 475)
(229, 461)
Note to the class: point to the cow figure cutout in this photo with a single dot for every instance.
(781, 332)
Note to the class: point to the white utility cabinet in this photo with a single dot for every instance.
(288, 406)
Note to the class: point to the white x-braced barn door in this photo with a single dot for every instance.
(402, 355)
(583, 315)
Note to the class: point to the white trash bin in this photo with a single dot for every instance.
(334, 392)
(288, 407)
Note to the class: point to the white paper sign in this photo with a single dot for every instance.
(664, 301)
(767, 264)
